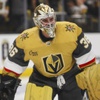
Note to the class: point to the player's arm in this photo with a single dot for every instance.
(14, 66)
(85, 60)
(83, 53)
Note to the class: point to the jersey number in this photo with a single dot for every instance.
(85, 41)
(13, 50)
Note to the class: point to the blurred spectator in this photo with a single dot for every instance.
(57, 6)
(93, 8)
(80, 11)
(93, 13)
(31, 4)
(68, 6)
(53, 4)
(76, 9)
(17, 10)
(16, 15)
(3, 16)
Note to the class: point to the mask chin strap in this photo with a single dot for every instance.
(51, 33)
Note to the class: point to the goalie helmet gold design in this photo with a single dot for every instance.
(44, 18)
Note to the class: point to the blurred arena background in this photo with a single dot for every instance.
(16, 16)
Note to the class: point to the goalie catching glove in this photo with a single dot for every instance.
(8, 87)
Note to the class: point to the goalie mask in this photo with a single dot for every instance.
(44, 18)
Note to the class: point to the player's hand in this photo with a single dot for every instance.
(8, 87)
(60, 81)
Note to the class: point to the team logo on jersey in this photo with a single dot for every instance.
(53, 63)
(70, 28)
(24, 36)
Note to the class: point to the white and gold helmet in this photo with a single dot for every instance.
(44, 18)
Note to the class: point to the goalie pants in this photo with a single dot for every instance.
(42, 88)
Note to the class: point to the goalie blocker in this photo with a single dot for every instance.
(8, 87)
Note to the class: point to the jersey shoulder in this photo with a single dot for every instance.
(68, 27)
(26, 36)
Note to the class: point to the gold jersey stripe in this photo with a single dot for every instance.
(26, 73)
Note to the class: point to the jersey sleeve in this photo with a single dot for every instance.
(83, 53)
(15, 61)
